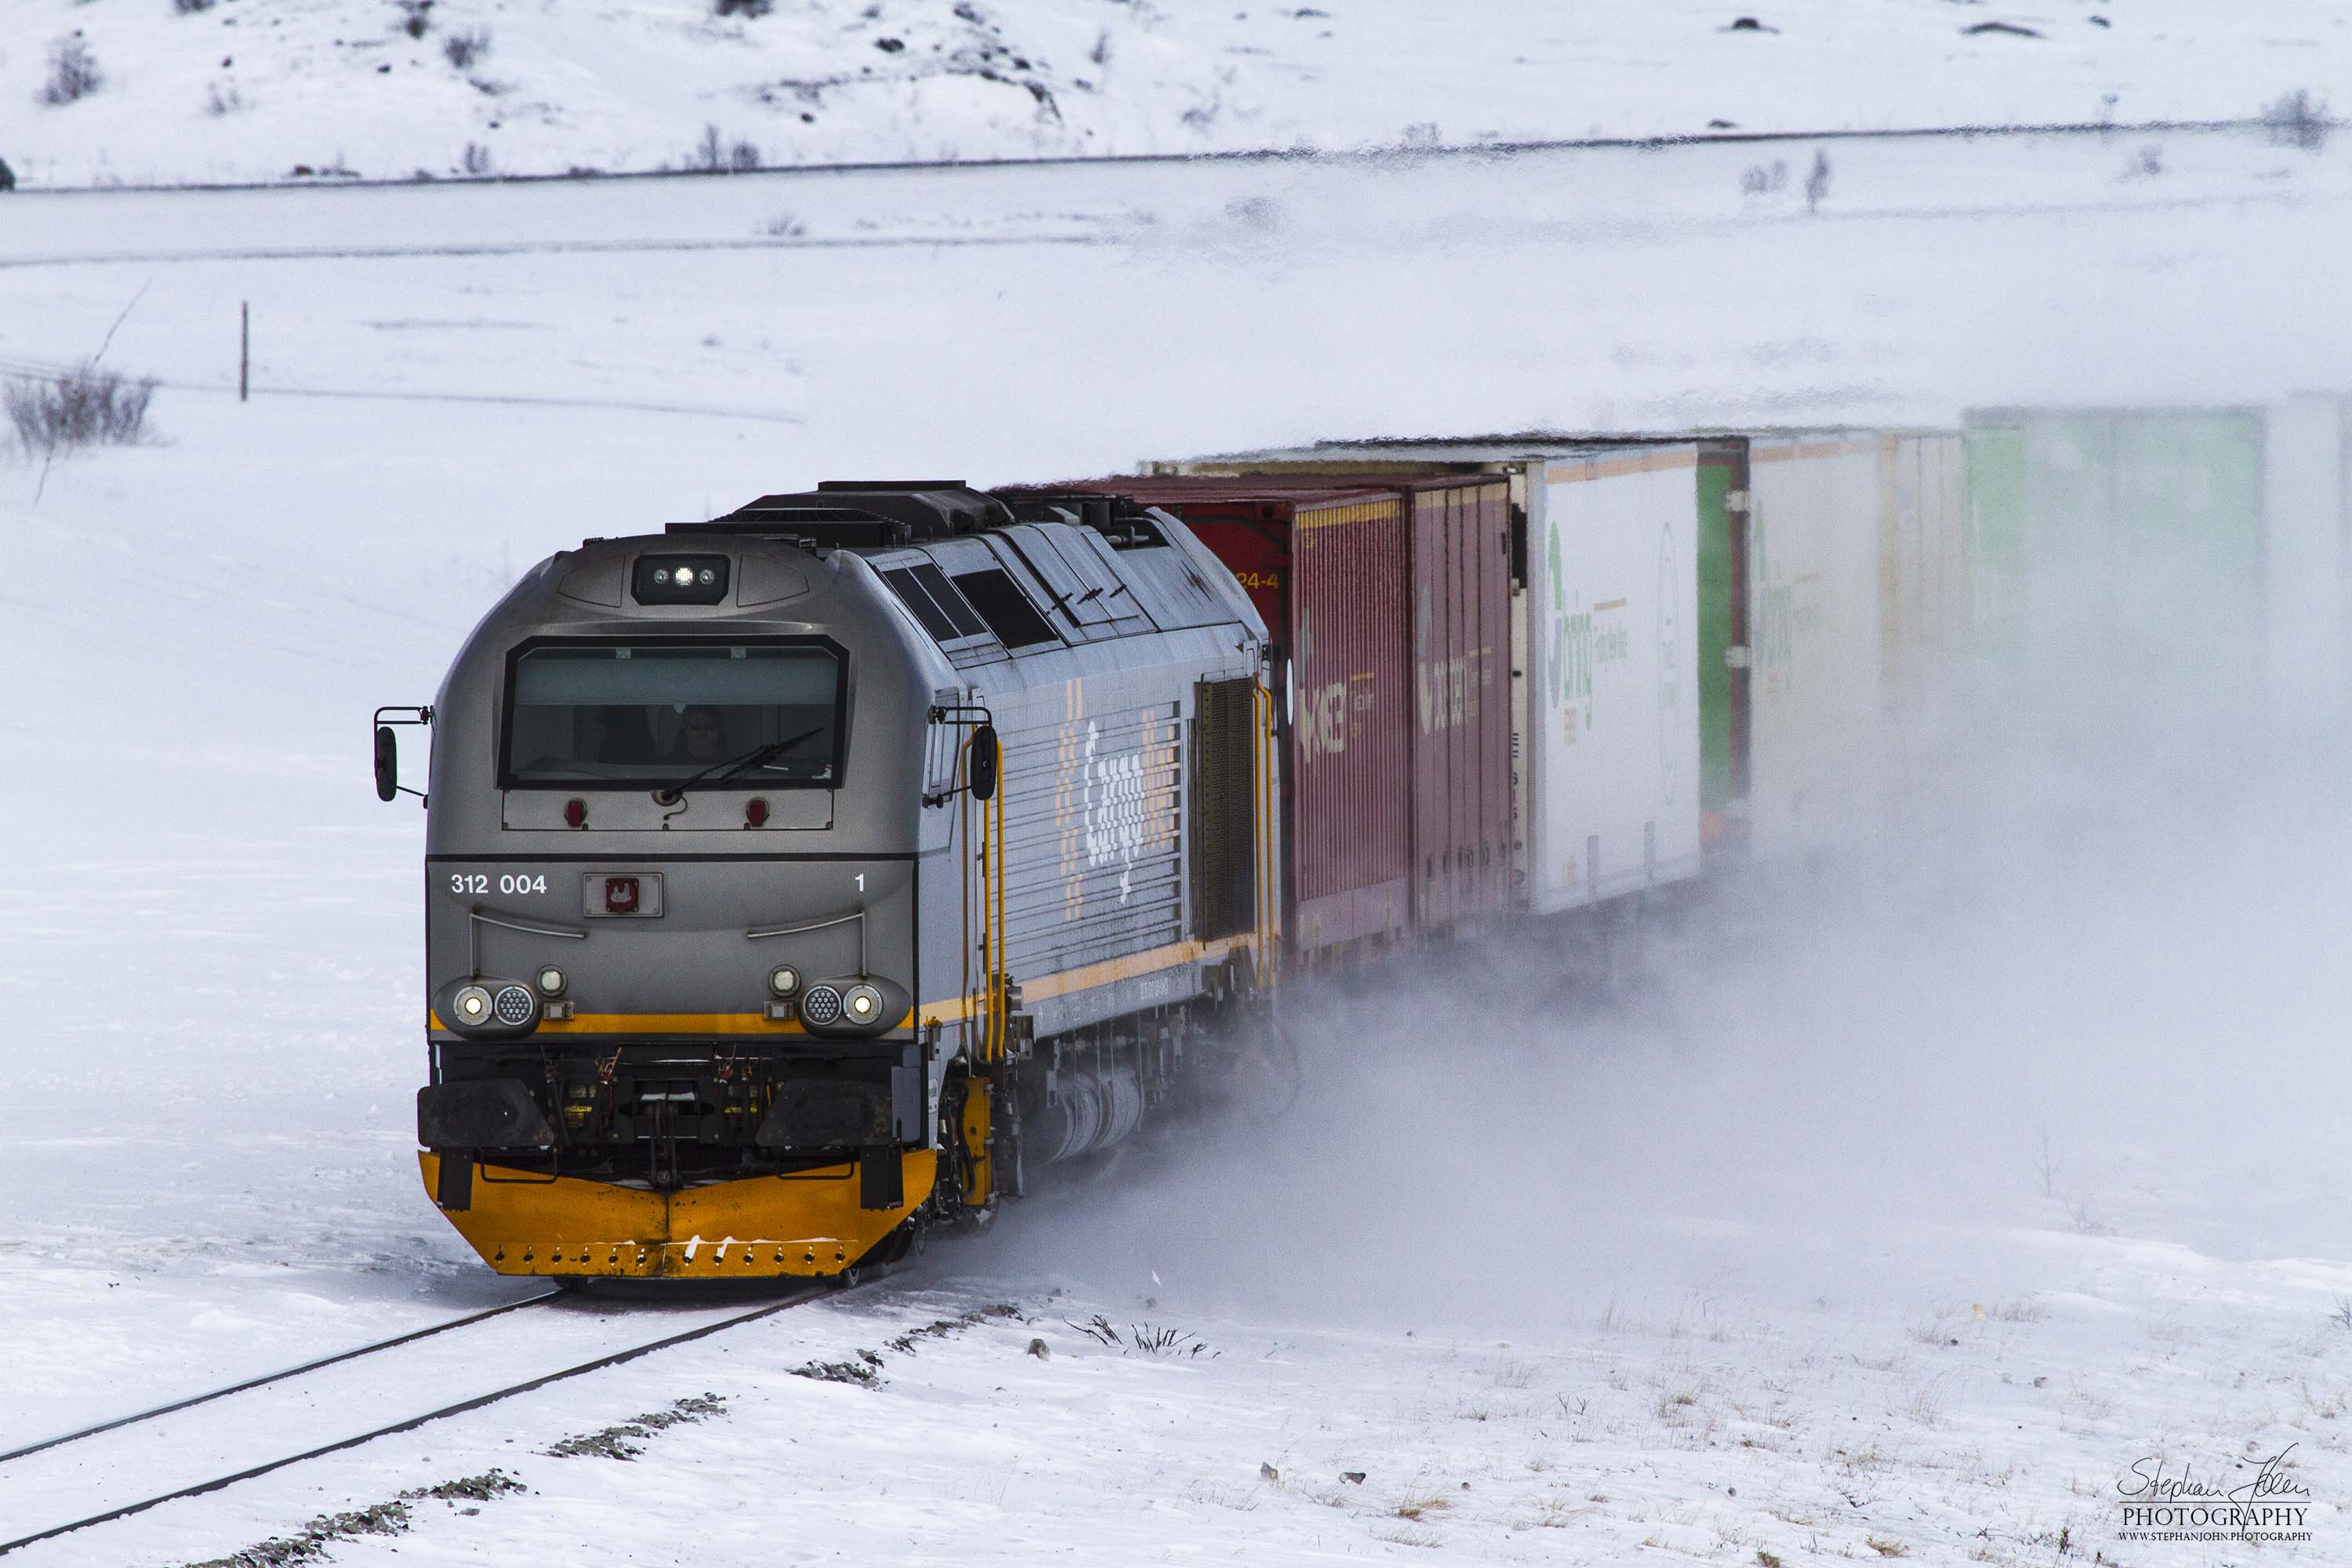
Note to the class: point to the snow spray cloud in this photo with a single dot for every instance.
(2085, 979)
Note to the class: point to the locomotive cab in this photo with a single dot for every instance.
(720, 962)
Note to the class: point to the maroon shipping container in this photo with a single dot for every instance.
(1460, 576)
(1458, 581)
(1391, 594)
(1326, 564)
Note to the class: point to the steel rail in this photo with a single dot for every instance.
(192, 1399)
(410, 1424)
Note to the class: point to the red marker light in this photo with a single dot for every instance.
(575, 813)
(755, 812)
(620, 895)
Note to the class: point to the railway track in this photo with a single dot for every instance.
(209, 1441)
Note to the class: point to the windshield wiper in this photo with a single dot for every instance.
(722, 771)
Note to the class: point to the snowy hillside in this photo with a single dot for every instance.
(226, 91)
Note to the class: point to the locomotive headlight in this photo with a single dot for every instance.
(784, 980)
(550, 981)
(857, 1009)
(473, 1005)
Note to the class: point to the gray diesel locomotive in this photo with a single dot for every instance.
(795, 879)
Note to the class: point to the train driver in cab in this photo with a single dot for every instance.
(699, 734)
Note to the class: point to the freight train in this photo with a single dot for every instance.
(799, 880)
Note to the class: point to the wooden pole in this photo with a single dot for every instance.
(243, 346)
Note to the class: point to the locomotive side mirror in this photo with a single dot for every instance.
(387, 750)
(981, 768)
(387, 762)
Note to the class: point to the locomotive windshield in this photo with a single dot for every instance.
(631, 713)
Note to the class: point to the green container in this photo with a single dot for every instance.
(2136, 532)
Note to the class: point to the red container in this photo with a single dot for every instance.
(1389, 597)
(1461, 584)
(1325, 564)
(1458, 587)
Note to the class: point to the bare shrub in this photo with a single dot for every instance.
(190, 7)
(475, 159)
(463, 48)
(1142, 1339)
(73, 71)
(739, 7)
(714, 156)
(84, 406)
(415, 17)
(1149, 1339)
(2295, 119)
(219, 104)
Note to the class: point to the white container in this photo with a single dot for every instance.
(1817, 737)
(1611, 729)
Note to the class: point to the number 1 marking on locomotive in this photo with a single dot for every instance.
(861, 881)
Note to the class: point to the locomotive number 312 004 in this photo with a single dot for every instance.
(464, 882)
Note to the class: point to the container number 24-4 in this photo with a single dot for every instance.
(512, 884)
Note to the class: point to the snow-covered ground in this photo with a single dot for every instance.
(274, 89)
(1698, 1268)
